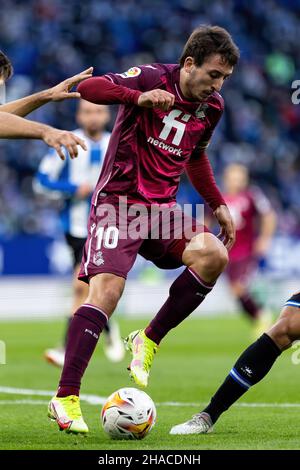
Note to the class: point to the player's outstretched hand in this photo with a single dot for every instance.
(227, 232)
(156, 99)
(56, 138)
(62, 90)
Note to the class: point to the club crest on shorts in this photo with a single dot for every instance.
(98, 258)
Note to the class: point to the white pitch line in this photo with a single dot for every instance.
(241, 405)
(91, 399)
(171, 404)
(25, 391)
(24, 402)
(98, 400)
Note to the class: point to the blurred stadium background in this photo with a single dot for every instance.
(48, 41)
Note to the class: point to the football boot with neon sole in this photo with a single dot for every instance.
(143, 350)
(67, 413)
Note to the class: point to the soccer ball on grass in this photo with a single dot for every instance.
(128, 413)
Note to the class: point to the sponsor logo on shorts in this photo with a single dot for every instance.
(98, 258)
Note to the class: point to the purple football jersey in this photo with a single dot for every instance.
(245, 207)
(149, 148)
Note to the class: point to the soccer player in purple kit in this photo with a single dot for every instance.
(166, 119)
(255, 223)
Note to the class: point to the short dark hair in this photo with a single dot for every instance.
(207, 40)
(6, 68)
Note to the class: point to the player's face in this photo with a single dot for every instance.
(236, 178)
(200, 82)
(92, 118)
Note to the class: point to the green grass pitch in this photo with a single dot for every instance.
(191, 363)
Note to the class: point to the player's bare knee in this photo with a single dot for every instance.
(215, 260)
(279, 334)
(222, 257)
(210, 257)
(286, 330)
(206, 254)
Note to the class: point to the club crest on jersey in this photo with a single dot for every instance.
(98, 258)
(200, 111)
(132, 72)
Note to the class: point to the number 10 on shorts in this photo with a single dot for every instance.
(108, 236)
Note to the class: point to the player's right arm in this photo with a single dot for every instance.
(126, 89)
(15, 127)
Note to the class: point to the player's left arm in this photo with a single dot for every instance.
(59, 92)
(268, 222)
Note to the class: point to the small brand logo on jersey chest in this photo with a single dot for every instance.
(200, 112)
